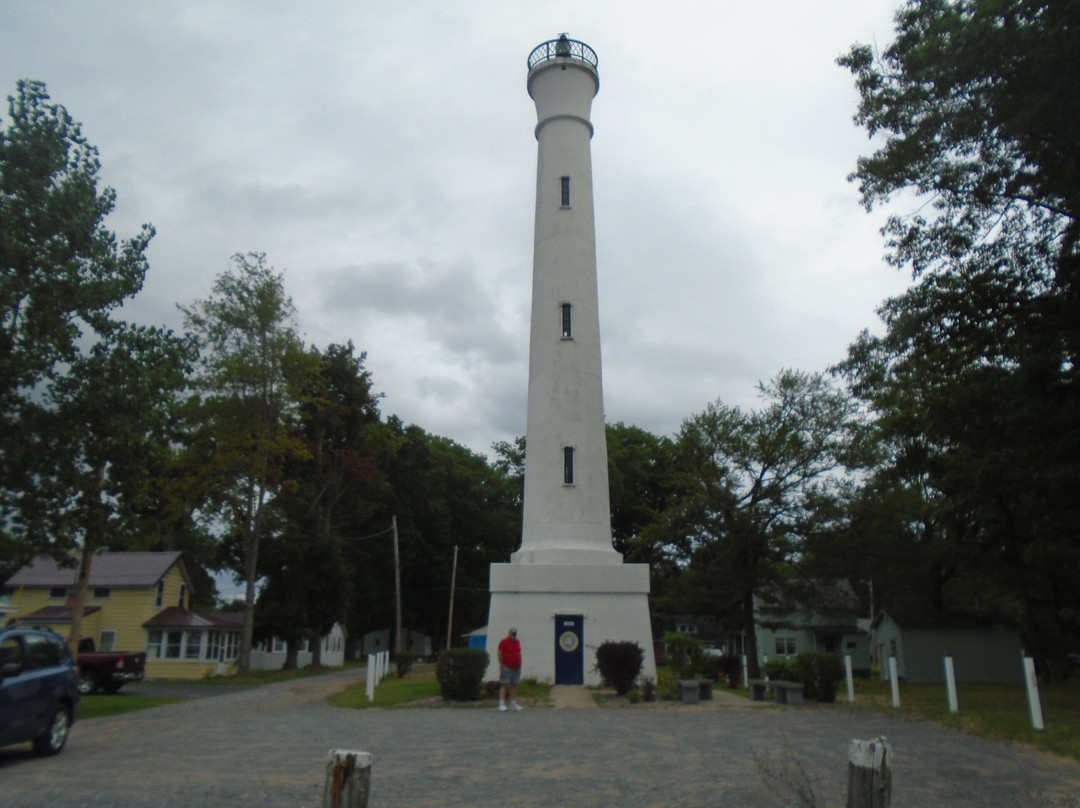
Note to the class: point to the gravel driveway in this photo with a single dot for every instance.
(267, 747)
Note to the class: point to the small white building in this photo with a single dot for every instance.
(270, 655)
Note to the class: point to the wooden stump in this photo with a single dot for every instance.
(869, 778)
(348, 779)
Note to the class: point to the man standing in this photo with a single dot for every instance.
(509, 669)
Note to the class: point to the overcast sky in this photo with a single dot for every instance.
(382, 155)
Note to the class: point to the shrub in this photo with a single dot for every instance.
(727, 669)
(404, 661)
(820, 672)
(684, 655)
(648, 689)
(786, 670)
(619, 663)
(460, 672)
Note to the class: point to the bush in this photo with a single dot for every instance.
(684, 655)
(619, 663)
(648, 690)
(460, 672)
(726, 669)
(786, 670)
(820, 672)
(404, 661)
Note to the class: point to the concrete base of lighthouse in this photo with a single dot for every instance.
(564, 612)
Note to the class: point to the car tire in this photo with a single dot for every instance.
(112, 687)
(54, 738)
(88, 684)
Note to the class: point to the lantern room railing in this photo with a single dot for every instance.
(562, 48)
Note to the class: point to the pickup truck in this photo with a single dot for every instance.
(108, 671)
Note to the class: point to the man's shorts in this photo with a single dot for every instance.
(509, 676)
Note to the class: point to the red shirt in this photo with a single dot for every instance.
(510, 652)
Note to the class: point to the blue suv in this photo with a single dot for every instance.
(39, 689)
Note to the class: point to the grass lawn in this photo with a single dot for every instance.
(420, 687)
(991, 711)
(100, 706)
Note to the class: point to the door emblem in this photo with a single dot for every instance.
(568, 641)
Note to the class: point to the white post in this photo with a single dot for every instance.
(764, 662)
(371, 677)
(745, 672)
(894, 682)
(950, 684)
(850, 679)
(1033, 694)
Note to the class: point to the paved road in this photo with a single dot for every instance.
(267, 747)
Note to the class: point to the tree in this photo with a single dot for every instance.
(101, 424)
(85, 399)
(976, 377)
(63, 274)
(335, 485)
(764, 479)
(252, 365)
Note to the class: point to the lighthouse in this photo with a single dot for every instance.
(566, 589)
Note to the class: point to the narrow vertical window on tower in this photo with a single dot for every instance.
(565, 191)
(568, 465)
(567, 321)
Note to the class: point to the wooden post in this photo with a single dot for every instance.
(398, 640)
(869, 778)
(450, 620)
(348, 779)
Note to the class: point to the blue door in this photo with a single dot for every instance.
(569, 650)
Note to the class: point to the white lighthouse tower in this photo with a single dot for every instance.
(566, 590)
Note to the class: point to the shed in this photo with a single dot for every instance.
(984, 647)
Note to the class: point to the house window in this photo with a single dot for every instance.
(159, 598)
(785, 646)
(567, 321)
(213, 644)
(568, 465)
(107, 640)
(153, 644)
(174, 641)
(58, 593)
(565, 189)
(279, 645)
(232, 645)
(183, 595)
(192, 644)
(101, 592)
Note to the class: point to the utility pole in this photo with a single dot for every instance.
(453, 585)
(398, 644)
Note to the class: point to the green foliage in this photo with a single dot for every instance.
(762, 482)
(976, 378)
(785, 670)
(460, 672)
(80, 391)
(619, 663)
(404, 660)
(252, 370)
(821, 673)
(726, 669)
(684, 655)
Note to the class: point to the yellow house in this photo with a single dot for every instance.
(137, 602)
